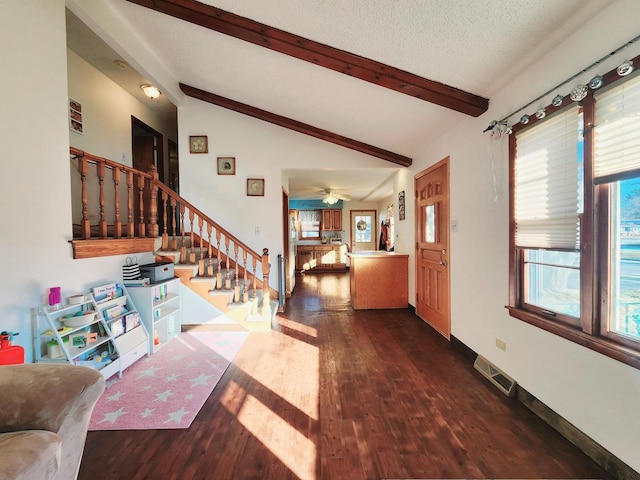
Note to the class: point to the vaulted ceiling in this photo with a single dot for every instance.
(385, 76)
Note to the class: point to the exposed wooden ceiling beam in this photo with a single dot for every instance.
(319, 54)
(295, 125)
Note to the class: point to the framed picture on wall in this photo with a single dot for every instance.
(401, 205)
(255, 187)
(226, 165)
(198, 144)
(75, 116)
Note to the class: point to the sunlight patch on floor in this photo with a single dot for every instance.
(295, 360)
(299, 327)
(289, 445)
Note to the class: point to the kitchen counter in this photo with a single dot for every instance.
(379, 279)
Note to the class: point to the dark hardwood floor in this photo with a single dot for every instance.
(333, 393)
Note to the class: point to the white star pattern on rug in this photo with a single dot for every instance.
(147, 412)
(115, 397)
(176, 416)
(149, 372)
(111, 417)
(167, 389)
(201, 379)
(163, 396)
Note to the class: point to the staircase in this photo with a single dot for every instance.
(119, 210)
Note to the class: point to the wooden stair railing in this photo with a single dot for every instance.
(147, 200)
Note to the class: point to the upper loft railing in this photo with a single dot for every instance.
(123, 210)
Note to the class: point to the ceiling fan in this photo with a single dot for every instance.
(331, 197)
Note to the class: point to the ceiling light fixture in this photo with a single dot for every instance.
(120, 64)
(150, 91)
(330, 199)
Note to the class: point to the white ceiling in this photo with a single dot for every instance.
(477, 46)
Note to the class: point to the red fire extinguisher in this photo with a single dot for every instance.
(10, 354)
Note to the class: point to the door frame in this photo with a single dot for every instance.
(374, 227)
(136, 125)
(444, 162)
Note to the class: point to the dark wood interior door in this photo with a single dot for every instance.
(143, 158)
(432, 247)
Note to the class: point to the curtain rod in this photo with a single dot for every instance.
(594, 64)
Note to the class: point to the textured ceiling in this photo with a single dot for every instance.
(476, 46)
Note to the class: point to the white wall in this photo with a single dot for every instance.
(262, 150)
(35, 200)
(593, 392)
(107, 111)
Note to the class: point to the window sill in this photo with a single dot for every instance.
(598, 344)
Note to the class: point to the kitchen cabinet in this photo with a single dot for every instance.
(321, 257)
(304, 257)
(332, 219)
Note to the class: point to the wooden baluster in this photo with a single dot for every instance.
(85, 225)
(266, 291)
(245, 284)
(210, 267)
(227, 278)
(192, 253)
(153, 203)
(130, 225)
(201, 260)
(102, 228)
(141, 225)
(174, 242)
(236, 287)
(117, 226)
(165, 235)
(183, 248)
(254, 287)
(219, 257)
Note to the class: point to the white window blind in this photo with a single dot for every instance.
(617, 131)
(546, 183)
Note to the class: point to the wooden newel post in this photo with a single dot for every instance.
(153, 229)
(266, 300)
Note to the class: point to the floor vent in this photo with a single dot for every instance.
(505, 384)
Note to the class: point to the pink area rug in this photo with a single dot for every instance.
(167, 389)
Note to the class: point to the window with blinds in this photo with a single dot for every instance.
(575, 258)
(617, 132)
(547, 183)
(309, 222)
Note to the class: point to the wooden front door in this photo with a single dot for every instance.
(432, 247)
(363, 230)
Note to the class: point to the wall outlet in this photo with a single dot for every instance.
(501, 345)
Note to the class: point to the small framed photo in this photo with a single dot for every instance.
(255, 187)
(198, 144)
(226, 165)
(75, 116)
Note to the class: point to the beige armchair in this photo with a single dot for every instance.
(44, 416)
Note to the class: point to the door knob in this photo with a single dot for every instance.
(443, 263)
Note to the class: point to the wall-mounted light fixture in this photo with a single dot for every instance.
(150, 91)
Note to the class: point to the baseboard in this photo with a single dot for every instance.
(607, 460)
